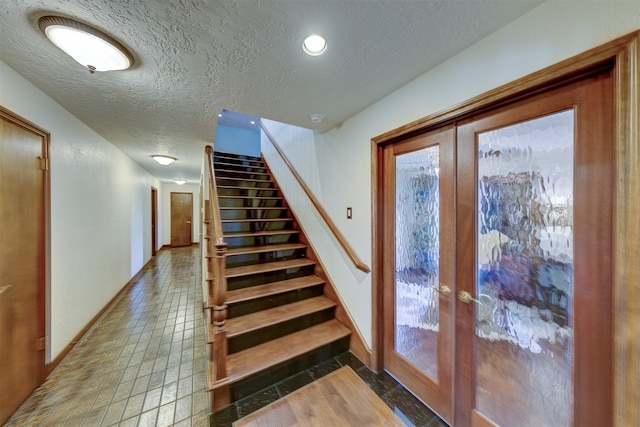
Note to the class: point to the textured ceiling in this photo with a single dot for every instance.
(196, 57)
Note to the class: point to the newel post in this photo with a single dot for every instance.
(219, 313)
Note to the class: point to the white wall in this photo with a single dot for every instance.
(100, 211)
(336, 165)
(166, 189)
(238, 141)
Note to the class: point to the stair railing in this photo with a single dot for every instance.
(216, 279)
(339, 237)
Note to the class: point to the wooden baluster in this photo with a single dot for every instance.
(219, 314)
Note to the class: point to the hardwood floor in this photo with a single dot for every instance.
(336, 399)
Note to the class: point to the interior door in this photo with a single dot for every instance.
(533, 261)
(419, 278)
(22, 261)
(181, 218)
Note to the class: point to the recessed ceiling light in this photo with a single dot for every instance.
(88, 46)
(253, 122)
(164, 160)
(316, 118)
(314, 45)
(179, 181)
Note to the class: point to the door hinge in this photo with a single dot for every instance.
(43, 163)
(41, 344)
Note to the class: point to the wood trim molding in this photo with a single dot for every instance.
(343, 242)
(624, 54)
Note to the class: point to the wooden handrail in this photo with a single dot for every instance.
(216, 278)
(343, 242)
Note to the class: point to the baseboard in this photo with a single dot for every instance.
(49, 367)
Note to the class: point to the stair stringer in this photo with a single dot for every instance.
(357, 344)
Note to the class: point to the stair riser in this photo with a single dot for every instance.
(238, 242)
(271, 301)
(238, 167)
(250, 259)
(225, 173)
(245, 184)
(235, 158)
(257, 337)
(250, 203)
(249, 192)
(231, 227)
(262, 278)
(269, 377)
(253, 213)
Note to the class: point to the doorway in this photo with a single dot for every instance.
(154, 228)
(181, 218)
(23, 265)
(497, 272)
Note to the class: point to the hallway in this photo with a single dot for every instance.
(142, 363)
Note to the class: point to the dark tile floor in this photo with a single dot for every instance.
(404, 404)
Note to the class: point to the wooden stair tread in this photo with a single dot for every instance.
(259, 233)
(267, 267)
(240, 171)
(225, 164)
(273, 316)
(261, 357)
(274, 288)
(266, 208)
(257, 220)
(251, 197)
(228, 178)
(266, 248)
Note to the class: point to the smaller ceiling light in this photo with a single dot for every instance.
(164, 160)
(314, 45)
(89, 46)
(179, 181)
(316, 118)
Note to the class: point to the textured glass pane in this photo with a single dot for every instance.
(417, 255)
(525, 273)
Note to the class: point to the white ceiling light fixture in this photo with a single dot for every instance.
(164, 160)
(314, 45)
(179, 181)
(89, 46)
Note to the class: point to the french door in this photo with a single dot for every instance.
(498, 291)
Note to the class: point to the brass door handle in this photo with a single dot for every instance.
(443, 290)
(4, 288)
(466, 297)
(188, 222)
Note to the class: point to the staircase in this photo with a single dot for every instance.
(279, 320)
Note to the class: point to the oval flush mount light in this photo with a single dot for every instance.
(164, 160)
(180, 181)
(314, 45)
(88, 46)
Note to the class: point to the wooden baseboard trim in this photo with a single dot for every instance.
(49, 367)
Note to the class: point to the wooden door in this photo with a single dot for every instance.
(22, 260)
(181, 218)
(154, 210)
(534, 253)
(419, 259)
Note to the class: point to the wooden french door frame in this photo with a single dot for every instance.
(622, 55)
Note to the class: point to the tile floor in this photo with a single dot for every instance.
(142, 364)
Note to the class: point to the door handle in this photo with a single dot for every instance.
(442, 290)
(188, 222)
(4, 288)
(466, 297)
